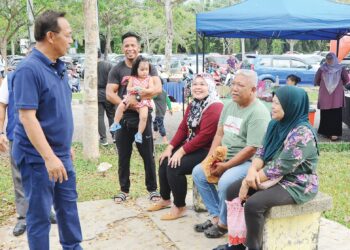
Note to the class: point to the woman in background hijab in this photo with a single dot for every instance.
(189, 146)
(288, 157)
(331, 77)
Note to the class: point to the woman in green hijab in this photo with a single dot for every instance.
(284, 168)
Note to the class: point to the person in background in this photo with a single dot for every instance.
(161, 102)
(232, 63)
(189, 146)
(288, 160)
(104, 106)
(2, 68)
(293, 80)
(331, 77)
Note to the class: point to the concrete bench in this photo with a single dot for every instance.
(289, 227)
(295, 226)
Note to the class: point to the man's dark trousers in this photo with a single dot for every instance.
(41, 193)
(124, 140)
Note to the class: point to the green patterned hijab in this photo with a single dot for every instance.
(295, 104)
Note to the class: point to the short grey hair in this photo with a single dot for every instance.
(250, 74)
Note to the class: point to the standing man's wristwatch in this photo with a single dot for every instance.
(138, 97)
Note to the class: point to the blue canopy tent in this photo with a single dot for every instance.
(276, 19)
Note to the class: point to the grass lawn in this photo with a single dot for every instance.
(333, 170)
(77, 96)
(312, 93)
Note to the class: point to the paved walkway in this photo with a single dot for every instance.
(107, 226)
(172, 122)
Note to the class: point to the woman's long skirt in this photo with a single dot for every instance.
(331, 122)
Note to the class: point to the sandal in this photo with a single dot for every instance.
(200, 228)
(121, 197)
(215, 231)
(334, 138)
(154, 196)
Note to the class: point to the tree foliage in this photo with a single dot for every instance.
(147, 18)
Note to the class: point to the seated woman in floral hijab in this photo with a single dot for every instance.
(189, 146)
(287, 161)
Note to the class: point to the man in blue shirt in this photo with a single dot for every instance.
(42, 138)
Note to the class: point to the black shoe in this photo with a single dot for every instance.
(104, 142)
(20, 228)
(232, 247)
(202, 226)
(215, 231)
(221, 247)
(53, 219)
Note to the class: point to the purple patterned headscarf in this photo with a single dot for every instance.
(331, 73)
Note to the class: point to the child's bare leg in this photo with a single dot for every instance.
(119, 112)
(118, 116)
(143, 114)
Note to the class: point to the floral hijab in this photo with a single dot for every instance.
(198, 107)
(331, 73)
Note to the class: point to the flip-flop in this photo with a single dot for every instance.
(121, 196)
(169, 216)
(154, 196)
(156, 207)
(334, 138)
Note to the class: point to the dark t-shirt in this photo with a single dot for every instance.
(120, 75)
(103, 68)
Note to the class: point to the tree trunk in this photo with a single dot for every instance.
(169, 33)
(3, 50)
(291, 44)
(90, 132)
(108, 48)
(30, 13)
(147, 41)
(243, 48)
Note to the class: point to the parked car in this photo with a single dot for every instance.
(312, 59)
(177, 67)
(218, 60)
(115, 59)
(270, 66)
(13, 62)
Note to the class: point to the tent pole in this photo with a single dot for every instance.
(203, 52)
(338, 41)
(197, 52)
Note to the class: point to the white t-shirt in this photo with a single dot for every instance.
(4, 92)
(2, 64)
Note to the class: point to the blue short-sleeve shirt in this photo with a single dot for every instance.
(41, 85)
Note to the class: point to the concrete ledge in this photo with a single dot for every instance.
(295, 226)
(320, 203)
